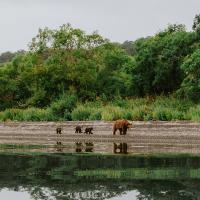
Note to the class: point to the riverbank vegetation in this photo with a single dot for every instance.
(69, 75)
(149, 108)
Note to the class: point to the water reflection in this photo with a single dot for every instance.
(89, 147)
(59, 146)
(84, 147)
(120, 148)
(89, 176)
(79, 147)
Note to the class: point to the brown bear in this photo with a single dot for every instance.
(88, 130)
(59, 130)
(78, 129)
(122, 125)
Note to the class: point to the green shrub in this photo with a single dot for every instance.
(172, 103)
(139, 112)
(193, 113)
(110, 112)
(63, 107)
(81, 113)
(167, 114)
(29, 114)
(128, 115)
(95, 115)
(35, 114)
(66, 108)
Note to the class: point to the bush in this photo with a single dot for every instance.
(193, 113)
(30, 114)
(66, 108)
(35, 114)
(110, 112)
(142, 112)
(172, 103)
(11, 114)
(81, 113)
(95, 115)
(167, 114)
(62, 108)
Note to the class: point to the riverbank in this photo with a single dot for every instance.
(143, 137)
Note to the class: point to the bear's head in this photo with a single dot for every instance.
(128, 124)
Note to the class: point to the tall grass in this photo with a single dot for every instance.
(87, 111)
(193, 113)
(30, 114)
(67, 108)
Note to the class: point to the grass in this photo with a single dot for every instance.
(142, 109)
(193, 113)
(21, 146)
(29, 114)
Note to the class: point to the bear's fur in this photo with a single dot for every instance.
(122, 125)
(78, 129)
(88, 130)
(59, 130)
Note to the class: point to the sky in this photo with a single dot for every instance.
(117, 20)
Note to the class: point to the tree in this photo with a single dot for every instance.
(196, 26)
(8, 56)
(114, 78)
(158, 59)
(190, 87)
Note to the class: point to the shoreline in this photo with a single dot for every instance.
(143, 137)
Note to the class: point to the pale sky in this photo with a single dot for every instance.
(117, 20)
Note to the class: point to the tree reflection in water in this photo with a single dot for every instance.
(78, 176)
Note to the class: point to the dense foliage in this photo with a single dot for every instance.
(68, 65)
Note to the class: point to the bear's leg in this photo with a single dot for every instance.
(114, 148)
(120, 130)
(124, 130)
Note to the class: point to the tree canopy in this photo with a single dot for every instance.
(69, 61)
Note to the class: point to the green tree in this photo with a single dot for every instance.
(196, 25)
(114, 78)
(158, 59)
(190, 87)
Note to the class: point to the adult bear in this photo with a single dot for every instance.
(122, 125)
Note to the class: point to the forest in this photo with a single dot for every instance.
(67, 74)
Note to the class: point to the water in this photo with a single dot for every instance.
(120, 176)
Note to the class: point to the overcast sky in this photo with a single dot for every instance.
(118, 20)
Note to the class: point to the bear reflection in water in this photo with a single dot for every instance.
(120, 148)
(59, 146)
(87, 147)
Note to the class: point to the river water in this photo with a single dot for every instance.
(88, 175)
